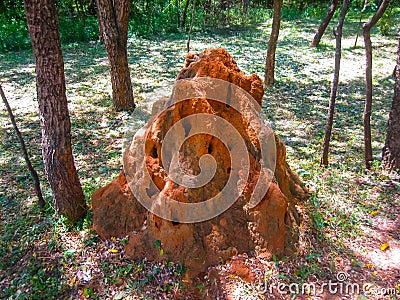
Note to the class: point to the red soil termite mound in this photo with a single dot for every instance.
(268, 228)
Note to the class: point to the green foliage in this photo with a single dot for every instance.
(74, 25)
(157, 243)
(290, 13)
(14, 34)
(78, 20)
(389, 22)
(88, 292)
(151, 17)
(78, 30)
(13, 30)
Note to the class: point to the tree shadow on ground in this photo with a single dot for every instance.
(339, 216)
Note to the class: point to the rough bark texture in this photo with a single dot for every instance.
(100, 28)
(368, 81)
(335, 82)
(324, 24)
(114, 18)
(268, 228)
(273, 40)
(391, 150)
(56, 127)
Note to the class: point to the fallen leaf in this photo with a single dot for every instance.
(119, 296)
(374, 213)
(113, 250)
(384, 246)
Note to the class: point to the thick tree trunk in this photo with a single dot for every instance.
(273, 40)
(368, 81)
(391, 150)
(335, 82)
(100, 28)
(325, 23)
(56, 127)
(114, 18)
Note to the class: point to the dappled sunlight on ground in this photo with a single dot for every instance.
(349, 216)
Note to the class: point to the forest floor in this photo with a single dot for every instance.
(350, 236)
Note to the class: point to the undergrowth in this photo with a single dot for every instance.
(44, 257)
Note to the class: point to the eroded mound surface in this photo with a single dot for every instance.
(269, 227)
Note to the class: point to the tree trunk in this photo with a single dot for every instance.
(245, 7)
(335, 82)
(324, 24)
(273, 40)
(368, 81)
(100, 28)
(184, 14)
(359, 22)
(178, 14)
(191, 26)
(81, 12)
(302, 4)
(56, 127)
(114, 18)
(391, 150)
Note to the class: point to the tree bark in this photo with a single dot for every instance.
(191, 26)
(359, 22)
(269, 78)
(184, 14)
(178, 14)
(324, 24)
(245, 7)
(368, 81)
(56, 127)
(33, 172)
(114, 18)
(391, 150)
(100, 28)
(335, 82)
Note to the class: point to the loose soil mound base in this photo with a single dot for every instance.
(269, 228)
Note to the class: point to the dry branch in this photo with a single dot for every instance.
(34, 174)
